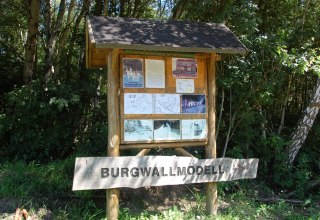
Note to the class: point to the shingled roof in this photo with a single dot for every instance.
(164, 35)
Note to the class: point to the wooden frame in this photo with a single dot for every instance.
(205, 84)
(200, 88)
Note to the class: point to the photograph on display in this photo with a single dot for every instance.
(155, 73)
(166, 130)
(184, 68)
(166, 103)
(193, 104)
(194, 129)
(138, 130)
(132, 73)
(138, 103)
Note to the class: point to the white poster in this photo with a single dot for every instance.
(155, 73)
(184, 85)
(138, 103)
(166, 103)
(138, 130)
(167, 130)
(194, 129)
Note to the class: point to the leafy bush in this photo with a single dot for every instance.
(43, 122)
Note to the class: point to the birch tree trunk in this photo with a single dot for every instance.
(31, 44)
(300, 134)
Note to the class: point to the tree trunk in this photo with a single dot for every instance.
(178, 9)
(98, 7)
(105, 8)
(300, 134)
(84, 9)
(136, 8)
(63, 37)
(52, 32)
(31, 44)
(122, 8)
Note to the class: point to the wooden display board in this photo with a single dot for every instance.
(154, 81)
(175, 111)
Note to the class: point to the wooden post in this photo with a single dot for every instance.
(113, 127)
(143, 152)
(183, 152)
(211, 188)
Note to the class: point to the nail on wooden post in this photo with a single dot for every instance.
(113, 127)
(211, 188)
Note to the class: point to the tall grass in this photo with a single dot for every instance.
(45, 190)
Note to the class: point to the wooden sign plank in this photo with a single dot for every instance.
(135, 172)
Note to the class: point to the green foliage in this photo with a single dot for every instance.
(12, 38)
(24, 181)
(43, 189)
(39, 121)
(265, 90)
(275, 79)
(43, 122)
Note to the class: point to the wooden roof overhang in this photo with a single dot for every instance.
(173, 37)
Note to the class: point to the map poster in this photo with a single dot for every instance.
(184, 68)
(167, 130)
(155, 73)
(185, 85)
(194, 129)
(132, 73)
(193, 104)
(166, 103)
(138, 130)
(138, 103)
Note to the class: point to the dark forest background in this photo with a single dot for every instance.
(52, 107)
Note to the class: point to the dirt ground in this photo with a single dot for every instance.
(151, 199)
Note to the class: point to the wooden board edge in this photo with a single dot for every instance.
(162, 145)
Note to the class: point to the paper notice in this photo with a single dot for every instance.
(184, 85)
(166, 103)
(138, 103)
(155, 73)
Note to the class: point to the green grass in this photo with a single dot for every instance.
(45, 190)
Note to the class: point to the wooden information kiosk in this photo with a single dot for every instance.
(161, 94)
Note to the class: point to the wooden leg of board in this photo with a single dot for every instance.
(212, 198)
(211, 188)
(113, 204)
(113, 127)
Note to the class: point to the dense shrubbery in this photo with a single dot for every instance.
(49, 121)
